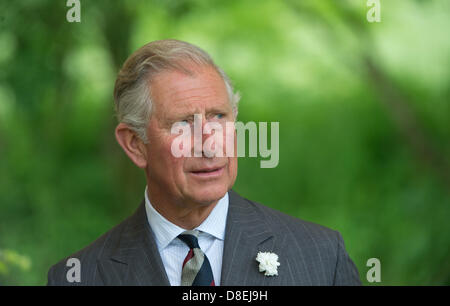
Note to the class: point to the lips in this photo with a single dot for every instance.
(208, 171)
(212, 169)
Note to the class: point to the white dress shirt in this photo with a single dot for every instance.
(173, 250)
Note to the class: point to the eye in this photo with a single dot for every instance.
(220, 116)
(183, 121)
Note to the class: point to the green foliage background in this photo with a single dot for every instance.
(363, 109)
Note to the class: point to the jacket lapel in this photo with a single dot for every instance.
(246, 233)
(136, 260)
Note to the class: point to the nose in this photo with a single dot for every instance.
(202, 146)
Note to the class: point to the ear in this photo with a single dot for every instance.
(133, 146)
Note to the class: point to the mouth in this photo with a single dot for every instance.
(208, 172)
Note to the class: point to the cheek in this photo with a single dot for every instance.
(161, 162)
(171, 161)
(232, 168)
(230, 142)
(160, 154)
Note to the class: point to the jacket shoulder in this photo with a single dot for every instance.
(87, 258)
(283, 223)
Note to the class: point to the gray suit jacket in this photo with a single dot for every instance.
(309, 254)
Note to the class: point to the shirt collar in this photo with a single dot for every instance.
(165, 231)
(215, 223)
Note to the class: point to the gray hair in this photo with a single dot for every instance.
(132, 93)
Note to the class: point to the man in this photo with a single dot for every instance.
(191, 228)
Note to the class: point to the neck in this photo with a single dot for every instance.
(183, 213)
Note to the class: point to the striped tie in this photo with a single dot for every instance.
(196, 268)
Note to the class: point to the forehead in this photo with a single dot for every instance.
(176, 92)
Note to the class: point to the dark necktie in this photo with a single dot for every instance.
(196, 268)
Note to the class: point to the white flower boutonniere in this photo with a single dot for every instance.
(268, 263)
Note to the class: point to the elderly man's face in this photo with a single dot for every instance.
(178, 97)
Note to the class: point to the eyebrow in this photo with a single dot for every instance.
(212, 110)
(220, 109)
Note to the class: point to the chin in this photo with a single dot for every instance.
(209, 195)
